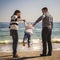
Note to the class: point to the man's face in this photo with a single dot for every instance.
(44, 11)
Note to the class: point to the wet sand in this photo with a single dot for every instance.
(25, 53)
(30, 56)
(21, 48)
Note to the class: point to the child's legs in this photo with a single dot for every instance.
(25, 37)
(29, 37)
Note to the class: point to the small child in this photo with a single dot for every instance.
(28, 33)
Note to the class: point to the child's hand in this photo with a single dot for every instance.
(24, 20)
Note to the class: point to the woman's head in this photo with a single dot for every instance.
(17, 12)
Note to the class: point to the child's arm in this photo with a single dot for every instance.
(25, 23)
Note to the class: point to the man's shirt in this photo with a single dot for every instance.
(47, 20)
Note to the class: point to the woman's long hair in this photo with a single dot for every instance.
(15, 13)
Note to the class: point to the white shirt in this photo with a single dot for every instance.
(28, 28)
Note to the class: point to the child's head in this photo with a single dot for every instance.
(29, 25)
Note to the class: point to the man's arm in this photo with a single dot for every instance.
(39, 19)
(52, 22)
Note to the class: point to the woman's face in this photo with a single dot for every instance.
(18, 14)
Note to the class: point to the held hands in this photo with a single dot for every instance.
(24, 20)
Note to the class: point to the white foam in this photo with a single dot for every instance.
(32, 40)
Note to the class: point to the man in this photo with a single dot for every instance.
(47, 25)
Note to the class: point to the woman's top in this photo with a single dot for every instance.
(14, 22)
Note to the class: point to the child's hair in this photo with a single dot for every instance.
(29, 23)
(15, 13)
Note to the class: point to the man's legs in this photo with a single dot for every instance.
(44, 37)
(49, 42)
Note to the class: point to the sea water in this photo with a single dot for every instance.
(36, 37)
(5, 34)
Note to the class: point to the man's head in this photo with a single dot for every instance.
(44, 10)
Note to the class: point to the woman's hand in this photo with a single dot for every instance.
(24, 20)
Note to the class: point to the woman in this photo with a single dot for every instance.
(15, 18)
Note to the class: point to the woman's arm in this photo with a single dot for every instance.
(21, 20)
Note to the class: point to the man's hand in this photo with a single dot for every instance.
(33, 25)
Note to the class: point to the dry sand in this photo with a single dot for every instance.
(30, 56)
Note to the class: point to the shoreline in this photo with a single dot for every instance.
(33, 41)
(34, 47)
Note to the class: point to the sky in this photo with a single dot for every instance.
(30, 9)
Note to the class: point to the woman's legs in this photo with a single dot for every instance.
(15, 41)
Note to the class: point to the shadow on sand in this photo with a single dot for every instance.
(8, 57)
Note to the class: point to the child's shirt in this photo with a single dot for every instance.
(28, 28)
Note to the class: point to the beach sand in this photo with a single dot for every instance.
(25, 53)
(30, 56)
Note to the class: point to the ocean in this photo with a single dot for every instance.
(5, 35)
(36, 44)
